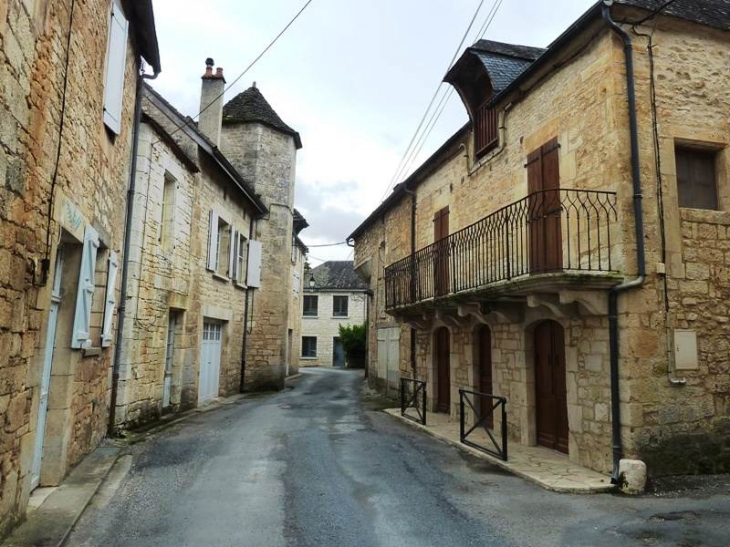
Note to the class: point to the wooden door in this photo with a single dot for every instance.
(441, 250)
(544, 208)
(443, 381)
(550, 393)
(485, 374)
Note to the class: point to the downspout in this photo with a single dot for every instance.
(121, 310)
(413, 273)
(639, 234)
(251, 226)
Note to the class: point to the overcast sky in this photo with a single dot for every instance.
(354, 77)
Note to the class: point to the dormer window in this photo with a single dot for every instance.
(479, 76)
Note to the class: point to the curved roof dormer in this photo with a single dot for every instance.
(486, 68)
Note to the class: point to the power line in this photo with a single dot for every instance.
(258, 57)
(328, 244)
(430, 104)
(445, 98)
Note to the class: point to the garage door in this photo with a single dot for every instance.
(210, 362)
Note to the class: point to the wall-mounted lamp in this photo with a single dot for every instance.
(312, 282)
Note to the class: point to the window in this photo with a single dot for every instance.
(339, 306)
(309, 346)
(116, 59)
(221, 246)
(310, 305)
(486, 130)
(240, 266)
(167, 221)
(696, 178)
(110, 300)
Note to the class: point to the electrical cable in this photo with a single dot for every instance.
(430, 104)
(47, 260)
(249, 67)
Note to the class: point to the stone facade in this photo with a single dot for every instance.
(47, 205)
(294, 333)
(325, 327)
(674, 418)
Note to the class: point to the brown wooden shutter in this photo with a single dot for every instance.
(441, 224)
(544, 209)
(550, 171)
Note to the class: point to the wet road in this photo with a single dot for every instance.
(319, 465)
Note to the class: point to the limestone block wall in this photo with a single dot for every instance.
(325, 326)
(161, 277)
(90, 186)
(295, 305)
(267, 158)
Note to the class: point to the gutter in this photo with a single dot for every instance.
(121, 310)
(639, 280)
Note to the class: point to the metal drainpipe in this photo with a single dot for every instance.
(639, 234)
(413, 273)
(121, 310)
(245, 322)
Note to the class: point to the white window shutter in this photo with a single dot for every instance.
(85, 291)
(254, 264)
(111, 300)
(116, 59)
(232, 250)
(213, 242)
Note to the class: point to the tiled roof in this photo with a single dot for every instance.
(714, 13)
(516, 51)
(337, 274)
(504, 62)
(250, 106)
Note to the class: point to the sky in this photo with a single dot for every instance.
(353, 77)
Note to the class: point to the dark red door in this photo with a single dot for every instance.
(550, 395)
(443, 382)
(485, 373)
(441, 251)
(544, 208)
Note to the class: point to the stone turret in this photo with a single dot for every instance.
(263, 149)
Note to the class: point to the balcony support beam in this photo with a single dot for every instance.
(551, 302)
(592, 302)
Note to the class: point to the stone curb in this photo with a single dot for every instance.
(52, 522)
(499, 463)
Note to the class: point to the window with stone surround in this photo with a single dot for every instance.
(339, 306)
(311, 303)
(241, 252)
(697, 186)
(309, 346)
(167, 220)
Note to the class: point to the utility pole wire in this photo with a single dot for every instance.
(256, 60)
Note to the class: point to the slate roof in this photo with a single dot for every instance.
(713, 13)
(250, 106)
(337, 275)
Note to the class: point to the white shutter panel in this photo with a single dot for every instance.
(116, 58)
(111, 300)
(85, 291)
(254, 264)
(232, 249)
(213, 242)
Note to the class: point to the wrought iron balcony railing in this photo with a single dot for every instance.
(556, 230)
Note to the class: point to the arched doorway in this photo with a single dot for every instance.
(550, 393)
(443, 363)
(484, 372)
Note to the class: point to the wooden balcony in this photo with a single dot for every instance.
(558, 238)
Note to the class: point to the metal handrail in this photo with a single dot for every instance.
(409, 398)
(465, 396)
(511, 242)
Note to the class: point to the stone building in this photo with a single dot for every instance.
(299, 261)
(334, 295)
(189, 267)
(263, 149)
(568, 247)
(66, 136)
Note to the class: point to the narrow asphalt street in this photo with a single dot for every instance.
(319, 465)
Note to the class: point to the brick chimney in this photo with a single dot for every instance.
(211, 102)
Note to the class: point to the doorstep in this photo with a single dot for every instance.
(539, 465)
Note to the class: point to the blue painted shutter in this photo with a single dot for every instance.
(254, 264)
(111, 300)
(85, 291)
(213, 241)
(116, 59)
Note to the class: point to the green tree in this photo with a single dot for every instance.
(353, 338)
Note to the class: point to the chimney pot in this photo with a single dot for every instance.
(219, 72)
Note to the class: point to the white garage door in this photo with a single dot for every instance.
(210, 362)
